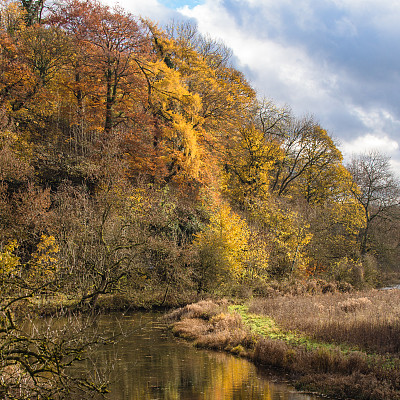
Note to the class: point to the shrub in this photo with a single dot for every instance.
(276, 353)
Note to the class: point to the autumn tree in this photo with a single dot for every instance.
(222, 248)
(98, 232)
(33, 10)
(36, 363)
(205, 66)
(310, 162)
(223, 97)
(32, 55)
(335, 226)
(377, 190)
(108, 46)
(249, 164)
(286, 235)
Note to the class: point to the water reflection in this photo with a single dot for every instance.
(147, 363)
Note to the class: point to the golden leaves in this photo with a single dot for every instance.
(223, 244)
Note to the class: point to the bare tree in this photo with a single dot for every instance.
(377, 190)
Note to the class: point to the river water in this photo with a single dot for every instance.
(147, 362)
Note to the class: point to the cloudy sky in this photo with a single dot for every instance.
(338, 60)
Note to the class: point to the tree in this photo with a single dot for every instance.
(109, 45)
(223, 96)
(310, 162)
(249, 163)
(36, 363)
(33, 11)
(376, 189)
(222, 248)
(98, 233)
(286, 235)
(335, 226)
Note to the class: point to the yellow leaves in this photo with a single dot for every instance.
(249, 162)
(290, 232)
(138, 203)
(44, 261)
(170, 91)
(9, 261)
(42, 265)
(350, 215)
(180, 108)
(286, 232)
(223, 245)
(11, 16)
(257, 260)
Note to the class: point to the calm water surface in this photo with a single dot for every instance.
(148, 363)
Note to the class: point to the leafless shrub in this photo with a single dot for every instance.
(209, 325)
(191, 328)
(275, 353)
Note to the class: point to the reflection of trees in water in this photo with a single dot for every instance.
(147, 363)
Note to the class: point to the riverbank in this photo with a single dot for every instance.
(343, 345)
(340, 345)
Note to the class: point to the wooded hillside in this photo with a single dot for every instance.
(134, 158)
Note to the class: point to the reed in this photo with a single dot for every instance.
(369, 321)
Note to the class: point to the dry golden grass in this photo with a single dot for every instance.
(204, 309)
(209, 325)
(369, 320)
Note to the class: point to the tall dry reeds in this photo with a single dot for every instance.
(369, 320)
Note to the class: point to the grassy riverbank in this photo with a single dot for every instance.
(341, 345)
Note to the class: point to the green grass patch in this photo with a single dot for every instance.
(266, 327)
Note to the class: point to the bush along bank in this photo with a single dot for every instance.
(337, 371)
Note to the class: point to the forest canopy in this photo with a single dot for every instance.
(135, 157)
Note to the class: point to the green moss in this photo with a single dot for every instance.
(265, 326)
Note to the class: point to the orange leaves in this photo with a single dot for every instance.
(104, 75)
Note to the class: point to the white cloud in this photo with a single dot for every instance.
(280, 70)
(369, 142)
(377, 121)
(345, 27)
(151, 9)
(385, 15)
(395, 165)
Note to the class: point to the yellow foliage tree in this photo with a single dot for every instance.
(202, 99)
(8, 260)
(223, 249)
(178, 111)
(44, 262)
(248, 165)
(286, 235)
(336, 226)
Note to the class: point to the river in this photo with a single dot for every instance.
(147, 362)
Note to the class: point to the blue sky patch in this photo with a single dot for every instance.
(175, 4)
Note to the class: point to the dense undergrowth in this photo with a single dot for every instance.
(352, 366)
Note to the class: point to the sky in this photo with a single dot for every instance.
(337, 60)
